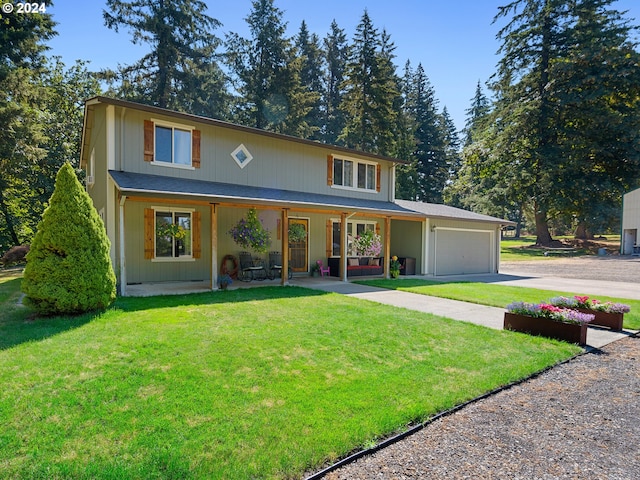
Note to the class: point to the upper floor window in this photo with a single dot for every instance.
(173, 145)
(167, 144)
(356, 174)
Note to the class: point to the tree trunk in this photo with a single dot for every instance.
(582, 232)
(7, 216)
(543, 237)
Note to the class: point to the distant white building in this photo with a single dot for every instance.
(630, 223)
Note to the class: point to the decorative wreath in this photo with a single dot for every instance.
(224, 268)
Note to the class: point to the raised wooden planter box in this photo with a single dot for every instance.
(604, 319)
(569, 332)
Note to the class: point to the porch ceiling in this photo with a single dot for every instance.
(139, 183)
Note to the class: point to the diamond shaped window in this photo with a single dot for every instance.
(242, 156)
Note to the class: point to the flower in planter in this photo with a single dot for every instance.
(552, 312)
(367, 244)
(581, 301)
(249, 233)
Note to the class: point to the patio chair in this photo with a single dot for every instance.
(275, 266)
(323, 270)
(250, 269)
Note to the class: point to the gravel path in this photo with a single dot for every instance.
(578, 420)
(613, 268)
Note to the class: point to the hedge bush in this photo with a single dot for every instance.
(68, 267)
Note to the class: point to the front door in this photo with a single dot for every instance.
(299, 251)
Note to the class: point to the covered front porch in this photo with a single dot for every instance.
(208, 214)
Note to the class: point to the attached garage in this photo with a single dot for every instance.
(460, 251)
(457, 241)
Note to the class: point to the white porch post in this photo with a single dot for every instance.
(284, 274)
(214, 246)
(343, 247)
(387, 245)
(123, 267)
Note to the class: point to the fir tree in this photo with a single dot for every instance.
(476, 114)
(311, 73)
(68, 267)
(336, 55)
(182, 54)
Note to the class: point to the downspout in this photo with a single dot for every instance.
(425, 256)
(122, 112)
(123, 268)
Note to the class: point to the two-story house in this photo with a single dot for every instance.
(149, 167)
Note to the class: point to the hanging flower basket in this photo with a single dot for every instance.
(367, 244)
(297, 233)
(250, 234)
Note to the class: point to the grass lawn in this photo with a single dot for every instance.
(518, 249)
(495, 295)
(268, 382)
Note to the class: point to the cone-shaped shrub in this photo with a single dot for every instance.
(68, 267)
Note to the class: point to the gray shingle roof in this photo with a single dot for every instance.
(156, 184)
(436, 210)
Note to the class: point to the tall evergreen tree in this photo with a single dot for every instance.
(531, 40)
(311, 73)
(598, 86)
(429, 154)
(183, 52)
(371, 91)
(451, 142)
(336, 54)
(406, 175)
(22, 62)
(268, 74)
(476, 114)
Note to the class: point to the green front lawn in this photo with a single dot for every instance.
(495, 295)
(255, 383)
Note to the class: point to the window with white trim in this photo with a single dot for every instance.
(173, 234)
(173, 145)
(354, 174)
(353, 230)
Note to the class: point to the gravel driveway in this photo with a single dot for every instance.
(578, 420)
(613, 268)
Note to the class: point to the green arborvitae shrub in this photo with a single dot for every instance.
(68, 268)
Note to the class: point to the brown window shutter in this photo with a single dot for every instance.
(329, 169)
(378, 173)
(329, 239)
(149, 234)
(377, 229)
(195, 234)
(195, 148)
(148, 141)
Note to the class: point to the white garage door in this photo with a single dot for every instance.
(463, 251)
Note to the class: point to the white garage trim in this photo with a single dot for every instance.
(491, 246)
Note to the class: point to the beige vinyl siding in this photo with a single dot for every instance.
(406, 241)
(277, 163)
(140, 270)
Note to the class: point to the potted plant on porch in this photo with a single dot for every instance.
(548, 321)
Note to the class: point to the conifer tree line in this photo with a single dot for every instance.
(551, 140)
(559, 142)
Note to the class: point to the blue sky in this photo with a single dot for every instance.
(454, 40)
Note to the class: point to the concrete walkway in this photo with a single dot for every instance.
(491, 317)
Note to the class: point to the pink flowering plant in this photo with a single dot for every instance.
(552, 312)
(582, 301)
(367, 244)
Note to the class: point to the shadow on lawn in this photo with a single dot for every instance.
(132, 304)
(19, 324)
